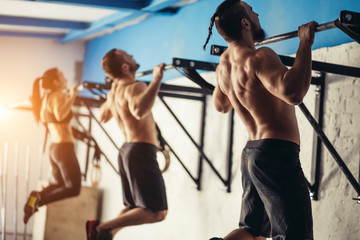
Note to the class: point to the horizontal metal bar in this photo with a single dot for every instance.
(140, 74)
(163, 87)
(98, 86)
(326, 67)
(177, 88)
(294, 34)
(180, 96)
(193, 64)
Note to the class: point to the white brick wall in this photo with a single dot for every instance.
(336, 215)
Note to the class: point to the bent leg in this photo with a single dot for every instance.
(67, 174)
(122, 212)
(135, 216)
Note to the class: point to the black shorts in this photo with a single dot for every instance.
(142, 182)
(276, 201)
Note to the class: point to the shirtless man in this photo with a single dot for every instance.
(130, 103)
(275, 201)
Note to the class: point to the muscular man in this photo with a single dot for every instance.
(275, 201)
(130, 103)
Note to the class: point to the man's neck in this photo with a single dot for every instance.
(128, 78)
(245, 42)
(242, 44)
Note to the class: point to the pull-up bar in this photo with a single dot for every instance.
(108, 81)
(294, 34)
(348, 22)
(140, 74)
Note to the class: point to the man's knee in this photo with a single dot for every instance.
(74, 189)
(160, 215)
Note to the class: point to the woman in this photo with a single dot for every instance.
(54, 111)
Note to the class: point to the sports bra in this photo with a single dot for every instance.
(50, 117)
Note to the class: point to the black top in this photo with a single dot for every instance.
(50, 118)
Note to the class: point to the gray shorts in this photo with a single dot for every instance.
(141, 179)
(276, 201)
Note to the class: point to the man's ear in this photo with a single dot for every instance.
(245, 23)
(125, 67)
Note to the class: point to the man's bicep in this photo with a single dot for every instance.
(132, 92)
(133, 95)
(270, 70)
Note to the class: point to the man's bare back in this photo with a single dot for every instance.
(133, 129)
(265, 115)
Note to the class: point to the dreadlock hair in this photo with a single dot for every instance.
(111, 63)
(47, 83)
(227, 20)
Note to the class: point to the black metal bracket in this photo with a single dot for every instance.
(349, 23)
(317, 144)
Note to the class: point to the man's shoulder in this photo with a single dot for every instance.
(134, 88)
(264, 51)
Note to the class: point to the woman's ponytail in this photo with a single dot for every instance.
(36, 100)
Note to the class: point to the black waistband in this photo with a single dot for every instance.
(272, 143)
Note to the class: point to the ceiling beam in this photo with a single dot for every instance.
(158, 5)
(118, 18)
(38, 22)
(133, 4)
(31, 34)
(101, 25)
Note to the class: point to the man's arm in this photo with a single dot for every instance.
(105, 108)
(105, 112)
(290, 85)
(221, 101)
(141, 98)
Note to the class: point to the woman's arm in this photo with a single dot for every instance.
(62, 103)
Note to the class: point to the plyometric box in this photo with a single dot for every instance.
(66, 219)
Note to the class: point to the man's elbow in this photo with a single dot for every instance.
(222, 109)
(294, 99)
(138, 113)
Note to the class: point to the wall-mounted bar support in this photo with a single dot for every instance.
(331, 148)
(194, 142)
(202, 133)
(319, 112)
